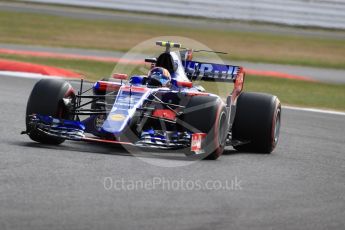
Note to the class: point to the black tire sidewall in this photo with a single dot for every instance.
(206, 120)
(46, 99)
(255, 120)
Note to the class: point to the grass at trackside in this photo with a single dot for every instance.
(294, 92)
(291, 92)
(37, 29)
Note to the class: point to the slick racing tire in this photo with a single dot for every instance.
(46, 98)
(205, 114)
(257, 122)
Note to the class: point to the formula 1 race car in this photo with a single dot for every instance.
(144, 112)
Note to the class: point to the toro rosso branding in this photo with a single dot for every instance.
(211, 71)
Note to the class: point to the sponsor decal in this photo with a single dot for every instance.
(209, 70)
(197, 142)
(117, 117)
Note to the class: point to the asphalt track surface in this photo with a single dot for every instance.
(299, 186)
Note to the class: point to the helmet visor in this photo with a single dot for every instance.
(161, 78)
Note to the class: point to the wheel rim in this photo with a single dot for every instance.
(276, 128)
(222, 129)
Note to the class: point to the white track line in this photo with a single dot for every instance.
(315, 110)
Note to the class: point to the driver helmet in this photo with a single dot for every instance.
(159, 76)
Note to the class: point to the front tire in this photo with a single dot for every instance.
(210, 117)
(46, 98)
(257, 122)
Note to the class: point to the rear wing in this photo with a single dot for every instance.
(217, 73)
(211, 71)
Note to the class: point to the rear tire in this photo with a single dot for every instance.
(257, 121)
(212, 120)
(46, 99)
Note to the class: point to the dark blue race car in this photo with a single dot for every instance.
(147, 112)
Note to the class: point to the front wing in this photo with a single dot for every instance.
(75, 131)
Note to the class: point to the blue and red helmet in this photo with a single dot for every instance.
(159, 76)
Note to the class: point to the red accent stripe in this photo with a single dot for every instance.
(197, 94)
(186, 84)
(105, 141)
(108, 86)
(164, 113)
(120, 76)
(15, 66)
(135, 89)
(238, 86)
